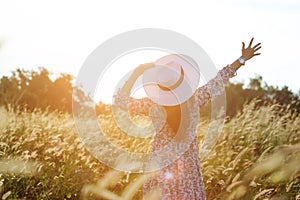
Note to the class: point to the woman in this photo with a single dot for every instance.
(181, 179)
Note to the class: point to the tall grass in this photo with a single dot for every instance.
(61, 163)
(41, 157)
(250, 154)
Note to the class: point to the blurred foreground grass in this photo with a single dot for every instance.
(256, 157)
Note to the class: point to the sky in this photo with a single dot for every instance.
(59, 35)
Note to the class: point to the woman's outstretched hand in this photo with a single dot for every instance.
(249, 52)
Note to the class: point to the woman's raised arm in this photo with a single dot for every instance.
(123, 99)
(216, 85)
(134, 76)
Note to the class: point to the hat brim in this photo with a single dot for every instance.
(178, 95)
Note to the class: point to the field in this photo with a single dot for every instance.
(41, 157)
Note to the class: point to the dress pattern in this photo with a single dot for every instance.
(180, 174)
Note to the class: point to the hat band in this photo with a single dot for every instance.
(172, 87)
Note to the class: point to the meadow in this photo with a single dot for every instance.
(256, 157)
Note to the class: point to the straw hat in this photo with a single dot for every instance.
(172, 81)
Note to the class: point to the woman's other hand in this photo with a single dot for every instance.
(143, 67)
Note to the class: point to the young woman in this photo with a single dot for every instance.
(181, 178)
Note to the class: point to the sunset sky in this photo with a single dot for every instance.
(59, 35)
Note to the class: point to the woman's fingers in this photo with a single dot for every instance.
(250, 44)
(256, 49)
(256, 45)
(243, 45)
(146, 66)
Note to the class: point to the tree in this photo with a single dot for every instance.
(34, 89)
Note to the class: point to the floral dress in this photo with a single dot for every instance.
(180, 172)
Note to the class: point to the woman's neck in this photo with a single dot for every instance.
(173, 116)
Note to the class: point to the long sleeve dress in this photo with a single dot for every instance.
(180, 172)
